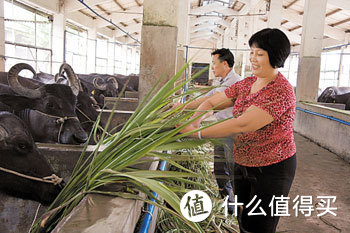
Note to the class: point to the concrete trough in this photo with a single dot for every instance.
(17, 215)
(131, 94)
(118, 119)
(124, 104)
(332, 105)
(106, 214)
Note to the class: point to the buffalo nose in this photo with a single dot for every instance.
(81, 136)
(62, 184)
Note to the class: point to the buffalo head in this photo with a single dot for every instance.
(19, 153)
(49, 109)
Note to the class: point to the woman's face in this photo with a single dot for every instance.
(259, 59)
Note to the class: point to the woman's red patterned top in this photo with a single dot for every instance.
(274, 142)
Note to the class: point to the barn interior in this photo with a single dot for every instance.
(154, 38)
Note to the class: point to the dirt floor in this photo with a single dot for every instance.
(319, 173)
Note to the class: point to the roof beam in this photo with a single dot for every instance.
(290, 4)
(213, 7)
(340, 22)
(217, 20)
(84, 20)
(218, 30)
(122, 16)
(128, 40)
(120, 5)
(333, 12)
(103, 9)
(206, 26)
(129, 29)
(74, 5)
(250, 6)
(328, 30)
(138, 3)
(343, 4)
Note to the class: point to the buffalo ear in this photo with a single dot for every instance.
(16, 103)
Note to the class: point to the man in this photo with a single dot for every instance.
(222, 66)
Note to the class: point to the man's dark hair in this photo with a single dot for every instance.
(275, 42)
(225, 55)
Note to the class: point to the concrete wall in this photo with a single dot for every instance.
(328, 133)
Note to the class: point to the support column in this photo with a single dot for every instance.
(2, 36)
(58, 28)
(158, 46)
(310, 50)
(91, 50)
(275, 14)
(182, 35)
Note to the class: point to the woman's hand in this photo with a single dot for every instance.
(177, 105)
(189, 128)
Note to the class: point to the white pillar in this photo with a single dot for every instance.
(159, 40)
(310, 50)
(91, 50)
(275, 14)
(2, 36)
(58, 28)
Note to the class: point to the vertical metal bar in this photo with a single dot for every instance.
(64, 45)
(185, 86)
(150, 208)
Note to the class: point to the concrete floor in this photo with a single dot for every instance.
(319, 173)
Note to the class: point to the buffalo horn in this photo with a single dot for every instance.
(102, 87)
(3, 133)
(72, 77)
(113, 81)
(12, 77)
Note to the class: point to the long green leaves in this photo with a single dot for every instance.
(150, 130)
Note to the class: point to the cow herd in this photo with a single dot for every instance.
(49, 109)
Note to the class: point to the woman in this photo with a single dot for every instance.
(264, 148)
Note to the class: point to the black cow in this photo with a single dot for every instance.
(106, 85)
(330, 91)
(340, 99)
(85, 107)
(99, 86)
(19, 154)
(48, 110)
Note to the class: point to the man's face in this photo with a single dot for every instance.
(218, 67)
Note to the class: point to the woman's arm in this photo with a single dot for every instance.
(218, 101)
(251, 120)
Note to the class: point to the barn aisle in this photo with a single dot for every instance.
(319, 173)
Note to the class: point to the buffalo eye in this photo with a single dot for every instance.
(50, 105)
(23, 147)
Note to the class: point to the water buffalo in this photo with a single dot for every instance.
(106, 85)
(48, 110)
(99, 86)
(330, 91)
(85, 107)
(340, 99)
(19, 156)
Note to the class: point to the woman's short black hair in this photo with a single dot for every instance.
(275, 42)
(225, 55)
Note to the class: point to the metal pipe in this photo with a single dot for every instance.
(150, 208)
(110, 21)
(185, 87)
(324, 116)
